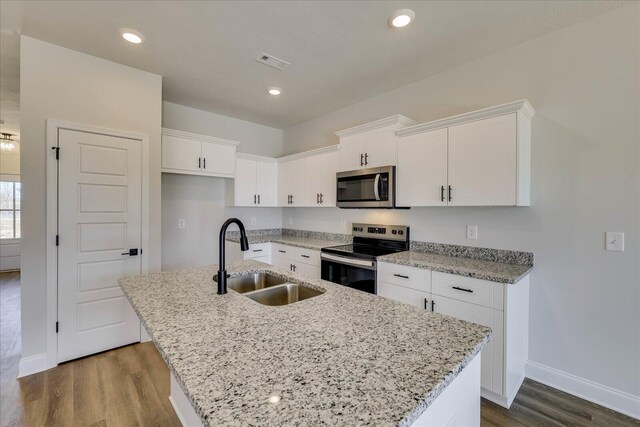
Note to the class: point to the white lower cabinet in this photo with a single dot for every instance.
(297, 260)
(502, 307)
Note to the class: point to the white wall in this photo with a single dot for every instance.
(10, 162)
(584, 83)
(58, 83)
(200, 201)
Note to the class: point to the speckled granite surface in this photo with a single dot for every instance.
(342, 358)
(299, 238)
(487, 254)
(480, 269)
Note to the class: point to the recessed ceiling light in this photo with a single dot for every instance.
(274, 91)
(132, 37)
(401, 18)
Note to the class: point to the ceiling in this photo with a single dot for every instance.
(341, 52)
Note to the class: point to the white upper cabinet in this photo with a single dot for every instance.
(482, 162)
(292, 176)
(256, 182)
(480, 158)
(422, 169)
(321, 178)
(193, 154)
(308, 179)
(372, 144)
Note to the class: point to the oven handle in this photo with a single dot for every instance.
(376, 184)
(370, 265)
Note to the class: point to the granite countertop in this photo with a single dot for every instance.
(344, 357)
(478, 268)
(298, 241)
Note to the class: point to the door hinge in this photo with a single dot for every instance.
(57, 152)
(57, 240)
(57, 327)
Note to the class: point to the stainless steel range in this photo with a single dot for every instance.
(355, 265)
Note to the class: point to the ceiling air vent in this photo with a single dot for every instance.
(272, 61)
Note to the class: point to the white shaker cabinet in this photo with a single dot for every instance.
(193, 154)
(502, 307)
(372, 144)
(321, 178)
(480, 158)
(422, 169)
(292, 178)
(256, 182)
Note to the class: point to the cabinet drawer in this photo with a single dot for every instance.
(307, 256)
(468, 289)
(410, 277)
(259, 250)
(404, 295)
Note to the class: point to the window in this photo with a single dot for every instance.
(9, 210)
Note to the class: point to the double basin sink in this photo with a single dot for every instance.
(268, 289)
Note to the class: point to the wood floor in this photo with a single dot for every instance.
(129, 386)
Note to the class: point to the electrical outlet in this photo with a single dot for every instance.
(182, 223)
(254, 220)
(472, 232)
(614, 241)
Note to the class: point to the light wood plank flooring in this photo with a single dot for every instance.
(129, 386)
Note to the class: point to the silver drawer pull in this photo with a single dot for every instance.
(402, 276)
(462, 289)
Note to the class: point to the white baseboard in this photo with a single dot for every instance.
(608, 397)
(32, 364)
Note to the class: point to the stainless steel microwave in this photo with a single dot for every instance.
(366, 188)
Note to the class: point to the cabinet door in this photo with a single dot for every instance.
(422, 169)
(245, 182)
(329, 165)
(307, 270)
(218, 159)
(351, 154)
(181, 154)
(379, 147)
(298, 182)
(482, 162)
(492, 354)
(285, 172)
(281, 262)
(404, 295)
(321, 179)
(267, 183)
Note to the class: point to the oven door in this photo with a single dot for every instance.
(366, 188)
(351, 272)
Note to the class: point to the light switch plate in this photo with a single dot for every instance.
(472, 232)
(182, 223)
(614, 241)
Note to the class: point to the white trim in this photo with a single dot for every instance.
(32, 364)
(52, 127)
(248, 156)
(388, 121)
(198, 137)
(303, 154)
(522, 106)
(608, 397)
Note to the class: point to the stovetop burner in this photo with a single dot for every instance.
(371, 241)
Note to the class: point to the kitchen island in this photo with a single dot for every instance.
(343, 357)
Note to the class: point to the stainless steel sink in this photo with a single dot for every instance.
(284, 294)
(252, 282)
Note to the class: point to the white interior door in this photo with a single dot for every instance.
(100, 220)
